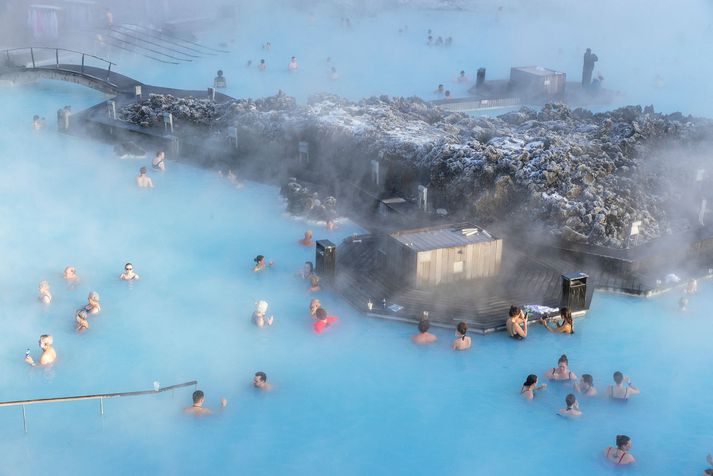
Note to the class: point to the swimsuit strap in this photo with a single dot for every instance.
(623, 453)
(608, 451)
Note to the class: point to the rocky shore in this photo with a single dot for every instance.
(585, 177)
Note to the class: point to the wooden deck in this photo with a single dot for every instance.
(482, 303)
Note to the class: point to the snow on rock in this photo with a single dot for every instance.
(577, 172)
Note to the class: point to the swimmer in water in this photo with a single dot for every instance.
(128, 274)
(314, 304)
(198, 400)
(516, 323)
(38, 122)
(692, 287)
(262, 66)
(561, 372)
(333, 76)
(259, 317)
(423, 336)
(709, 460)
(314, 284)
(93, 306)
(49, 355)
(447, 94)
(307, 270)
(462, 78)
(159, 161)
(462, 342)
(82, 324)
(620, 392)
(530, 386)
(249, 63)
(620, 455)
(292, 66)
(45, 294)
(572, 408)
(307, 240)
(566, 326)
(260, 263)
(440, 90)
(323, 320)
(260, 382)
(331, 224)
(143, 180)
(585, 386)
(70, 275)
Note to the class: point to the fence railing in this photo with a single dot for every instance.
(100, 397)
(33, 49)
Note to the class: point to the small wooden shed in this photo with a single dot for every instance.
(427, 257)
(536, 81)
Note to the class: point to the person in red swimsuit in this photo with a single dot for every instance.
(323, 320)
(620, 455)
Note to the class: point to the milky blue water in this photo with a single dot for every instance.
(358, 399)
(649, 52)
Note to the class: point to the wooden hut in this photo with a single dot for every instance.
(427, 257)
(536, 81)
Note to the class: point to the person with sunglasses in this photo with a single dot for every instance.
(128, 274)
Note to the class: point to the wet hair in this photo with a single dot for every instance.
(570, 400)
(622, 440)
(514, 311)
(461, 71)
(46, 338)
(448, 93)
(588, 379)
(220, 72)
(261, 375)
(262, 61)
(618, 377)
(198, 395)
(311, 266)
(530, 380)
(93, 296)
(462, 328)
(563, 358)
(128, 264)
(142, 170)
(159, 152)
(35, 117)
(259, 258)
(566, 314)
(423, 325)
(321, 314)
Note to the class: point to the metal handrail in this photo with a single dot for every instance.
(100, 397)
(122, 32)
(31, 48)
(146, 31)
(136, 45)
(176, 38)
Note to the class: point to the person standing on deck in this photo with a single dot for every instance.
(588, 67)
